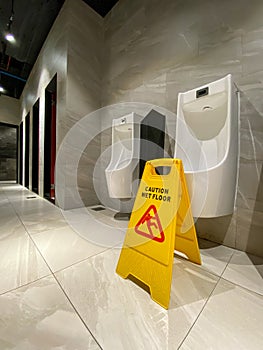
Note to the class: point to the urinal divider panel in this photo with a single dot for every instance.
(161, 221)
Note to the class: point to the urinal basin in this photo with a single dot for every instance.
(125, 129)
(206, 116)
(122, 168)
(207, 141)
(211, 191)
(120, 180)
(121, 152)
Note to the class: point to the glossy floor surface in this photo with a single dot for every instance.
(59, 289)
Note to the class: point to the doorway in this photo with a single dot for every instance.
(21, 148)
(35, 148)
(50, 140)
(27, 148)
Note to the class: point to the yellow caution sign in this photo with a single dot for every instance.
(160, 223)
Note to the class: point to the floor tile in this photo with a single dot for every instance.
(63, 247)
(205, 312)
(43, 221)
(20, 262)
(10, 226)
(7, 211)
(232, 319)
(3, 201)
(96, 228)
(39, 316)
(15, 191)
(215, 257)
(31, 206)
(121, 315)
(107, 216)
(245, 270)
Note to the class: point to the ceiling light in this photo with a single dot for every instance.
(10, 37)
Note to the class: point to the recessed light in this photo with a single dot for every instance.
(10, 37)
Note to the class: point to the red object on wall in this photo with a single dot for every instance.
(53, 146)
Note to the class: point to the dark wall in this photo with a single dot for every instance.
(8, 152)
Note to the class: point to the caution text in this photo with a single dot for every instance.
(157, 193)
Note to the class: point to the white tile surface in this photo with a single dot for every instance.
(39, 316)
(99, 228)
(121, 315)
(20, 262)
(215, 257)
(34, 205)
(10, 226)
(246, 271)
(232, 319)
(63, 247)
(6, 210)
(43, 220)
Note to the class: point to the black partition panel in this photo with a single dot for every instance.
(27, 148)
(35, 147)
(50, 140)
(152, 138)
(47, 145)
(21, 148)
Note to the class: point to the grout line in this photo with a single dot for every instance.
(242, 287)
(199, 314)
(24, 285)
(51, 271)
(67, 297)
(227, 264)
(111, 248)
(201, 267)
(74, 308)
(54, 276)
(235, 283)
(81, 261)
(209, 297)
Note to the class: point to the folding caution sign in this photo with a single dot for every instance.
(161, 222)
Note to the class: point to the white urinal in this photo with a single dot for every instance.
(125, 154)
(207, 141)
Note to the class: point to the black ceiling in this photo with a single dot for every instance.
(32, 21)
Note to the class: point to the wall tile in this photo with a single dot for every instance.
(221, 230)
(250, 183)
(140, 55)
(252, 51)
(251, 144)
(249, 231)
(9, 110)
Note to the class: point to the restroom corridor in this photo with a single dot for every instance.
(60, 291)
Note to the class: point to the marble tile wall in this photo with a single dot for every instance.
(72, 50)
(152, 57)
(85, 43)
(9, 110)
(51, 60)
(137, 55)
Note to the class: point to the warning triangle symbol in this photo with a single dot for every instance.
(150, 225)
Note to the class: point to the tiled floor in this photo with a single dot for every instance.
(59, 289)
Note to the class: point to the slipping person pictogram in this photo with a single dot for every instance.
(153, 224)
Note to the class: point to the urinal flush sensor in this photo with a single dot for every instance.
(202, 92)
